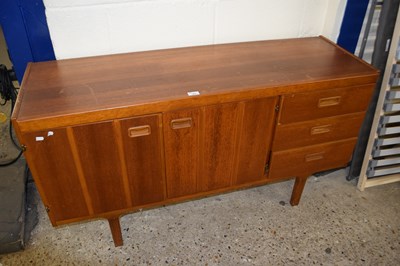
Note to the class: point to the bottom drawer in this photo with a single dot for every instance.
(311, 159)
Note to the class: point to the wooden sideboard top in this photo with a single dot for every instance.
(83, 90)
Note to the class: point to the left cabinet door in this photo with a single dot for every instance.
(51, 161)
(95, 148)
(121, 162)
(92, 169)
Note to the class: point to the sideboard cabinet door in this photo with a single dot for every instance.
(52, 165)
(255, 139)
(95, 168)
(218, 143)
(181, 138)
(98, 156)
(200, 148)
(141, 142)
(218, 146)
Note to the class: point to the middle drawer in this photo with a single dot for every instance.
(288, 136)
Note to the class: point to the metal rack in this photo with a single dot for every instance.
(381, 164)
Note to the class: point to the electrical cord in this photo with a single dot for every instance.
(7, 90)
(9, 93)
(10, 128)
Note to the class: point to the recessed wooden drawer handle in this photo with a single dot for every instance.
(134, 132)
(320, 129)
(331, 101)
(181, 123)
(314, 157)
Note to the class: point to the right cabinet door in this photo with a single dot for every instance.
(218, 146)
(254, 139)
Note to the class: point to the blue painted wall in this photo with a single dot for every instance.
(352, 24)
(25, 30)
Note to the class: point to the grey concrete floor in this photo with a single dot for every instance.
(334, 225)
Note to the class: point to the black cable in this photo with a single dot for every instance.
(9, 93)
(10, 128)
(12, 161)
(7, 90)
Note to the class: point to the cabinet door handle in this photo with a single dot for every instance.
(134, 132)
(330, 101)
(181, 123)
(320, 129)
(314, 157)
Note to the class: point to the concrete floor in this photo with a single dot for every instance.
(334, 225)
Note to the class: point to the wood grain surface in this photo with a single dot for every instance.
(56, 174)
(289, 136)
(144, 161)
(182, 152)
(318, 104)
(86, 89)
(307, 160)
(218, 146)
(256, 133)
(97, 150)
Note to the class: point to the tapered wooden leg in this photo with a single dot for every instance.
(298, 190)
(116, 231)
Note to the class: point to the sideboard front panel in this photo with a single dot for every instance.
(323, 103)
(143, 154)
(255, 138)
(218, 143)
(181, 137)
(98, 155)
(51, 161)
(311, 159)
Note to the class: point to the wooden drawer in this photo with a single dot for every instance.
(313, 105)
(311, 159)
(289, 136)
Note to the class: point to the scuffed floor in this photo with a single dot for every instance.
(334, 225)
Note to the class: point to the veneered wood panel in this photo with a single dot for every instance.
(313, 105)
(53, 168)
(255, 138)
(146, 79)
(98, 152)
(218, 146)
(181, 142)
(311, 159)
(142, 144)
(289, 136)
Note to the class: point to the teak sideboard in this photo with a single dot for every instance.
(108, 135)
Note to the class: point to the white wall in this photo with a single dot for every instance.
(95, 27)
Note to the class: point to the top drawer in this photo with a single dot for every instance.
(324, 103)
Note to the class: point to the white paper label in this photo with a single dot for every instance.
(50, 133)
(193, 93)
(39, 138)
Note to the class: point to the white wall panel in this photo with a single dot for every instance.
(155, 25)
(243, 20)
(93, 27)
(74, 33)
(333, 18)
(313, 17)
